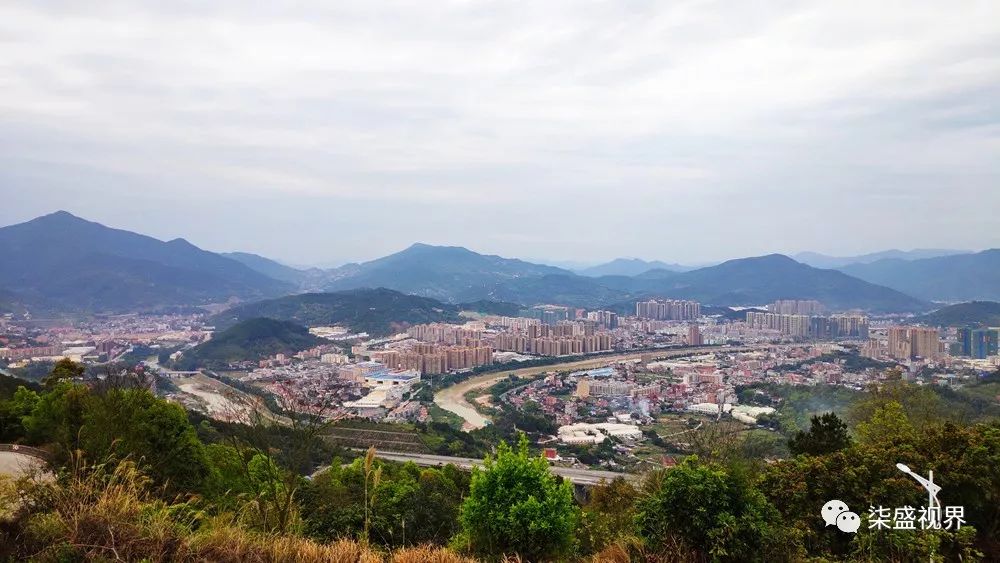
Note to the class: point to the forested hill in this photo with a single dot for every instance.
(252, 340)
(375, 311)
(973, 313)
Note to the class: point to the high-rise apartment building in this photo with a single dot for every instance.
(606, 319)
(430, 359)
(905, 343)
(694, 336)
(796, 307)
(668, 310)
(444, 333)
(979, 343)
(804, 326)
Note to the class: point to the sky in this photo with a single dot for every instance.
(686, 131)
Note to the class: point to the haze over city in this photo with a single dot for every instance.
(690, 133)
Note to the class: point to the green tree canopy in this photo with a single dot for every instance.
(516, 506)
(827, 434)
(154, 433)
(709, 509)
(65, 369)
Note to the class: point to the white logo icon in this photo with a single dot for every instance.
(832, 510)
(848, 522)
(930, 517)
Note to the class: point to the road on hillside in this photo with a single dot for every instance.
(16, 463)
(452, 398)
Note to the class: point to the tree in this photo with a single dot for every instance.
(608, 516)
(409, 506)
(57, 418)
(515, 505)
(889, 424)
(708, 509)
(273, 501)
(373, 476)
(64, 370)
(13, 411)
(155, 434)
(827, 433)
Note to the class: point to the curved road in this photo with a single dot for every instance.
(18, 463)
(452, 398)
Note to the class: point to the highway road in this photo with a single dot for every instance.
(453, 398)
(576, 476)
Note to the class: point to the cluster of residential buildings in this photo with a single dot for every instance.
(97, 340)
(376, 377)
(807, 307)
(978, 343)
(433, 359)
(616, 400)
(810, 326)
(668, 310)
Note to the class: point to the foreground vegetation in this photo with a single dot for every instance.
(137, 478)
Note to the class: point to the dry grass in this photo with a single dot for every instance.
(427, 554)
(233, 545)
(629, 550)
(105, 513)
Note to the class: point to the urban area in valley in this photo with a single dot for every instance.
(593, 387)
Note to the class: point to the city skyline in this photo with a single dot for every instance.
(691, 133)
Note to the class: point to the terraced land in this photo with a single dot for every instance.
(365, 436)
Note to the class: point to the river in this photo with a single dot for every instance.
(452, 398)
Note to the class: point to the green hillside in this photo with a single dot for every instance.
(375, 311)
(253, 340)
(973, 313)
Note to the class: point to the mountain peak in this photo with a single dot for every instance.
(60, 214)
(146, 273)
(423, 246)
(181, 242)
(776, 257)
(61, 217)
(767, 259)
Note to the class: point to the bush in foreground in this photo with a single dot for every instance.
(515, 505)
(106, 512)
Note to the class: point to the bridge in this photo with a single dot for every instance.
(584, 477)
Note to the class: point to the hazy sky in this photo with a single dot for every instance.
(683, 131)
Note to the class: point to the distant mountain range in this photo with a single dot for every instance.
(961, 277)
(818, 260)
(763, 279)
(456, 274)
(270, 268)
(447, 273)
(973, 313)
(74, 264)
(629, 267)
(67, 262)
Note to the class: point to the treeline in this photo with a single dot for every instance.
(136, 478)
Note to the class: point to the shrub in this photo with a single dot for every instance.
(515, 505)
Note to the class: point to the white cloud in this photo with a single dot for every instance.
(556, 114)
